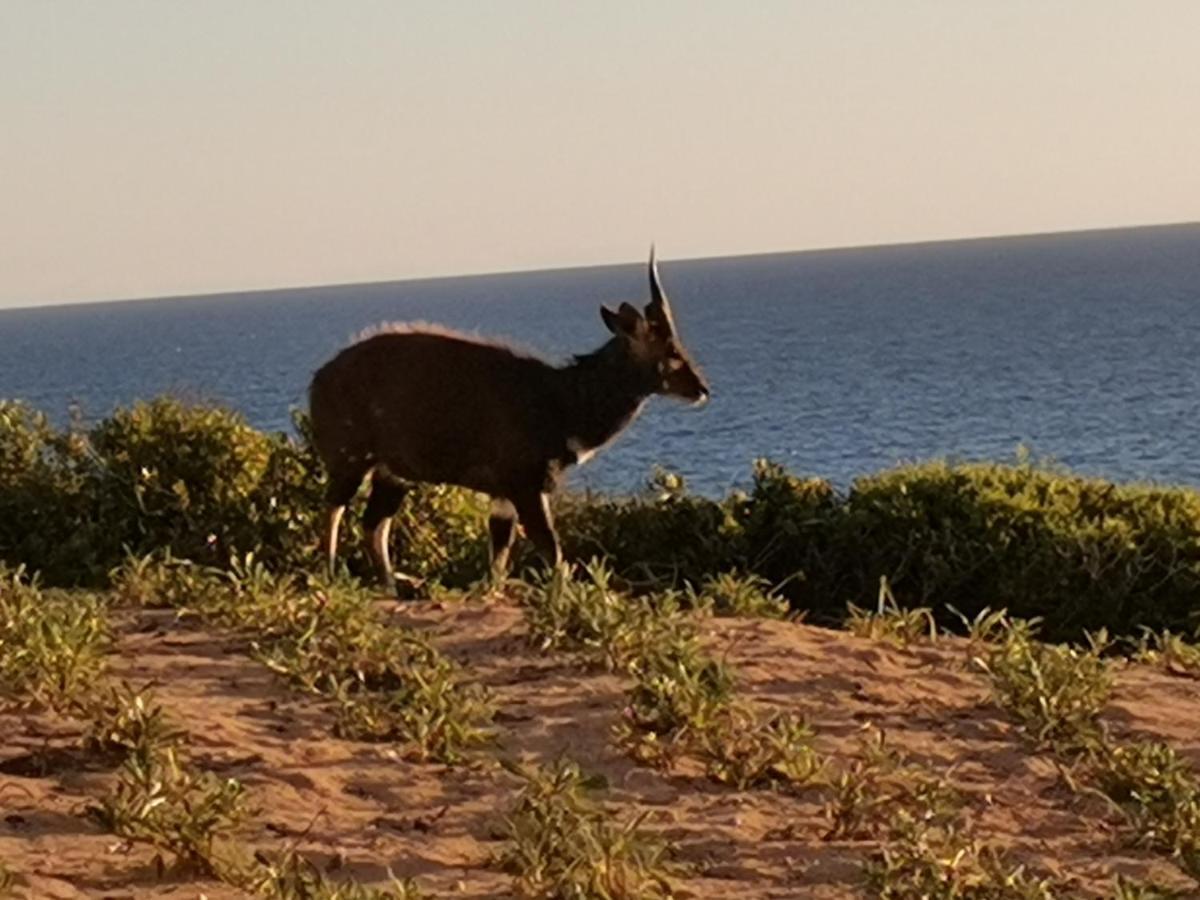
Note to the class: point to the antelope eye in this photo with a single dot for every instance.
(672, 364)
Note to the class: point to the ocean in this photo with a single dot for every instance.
(1083, 347)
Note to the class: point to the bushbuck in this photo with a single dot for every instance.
(417, 402)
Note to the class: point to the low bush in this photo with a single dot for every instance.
(663, 537)
(889, 623)
(562, 844)
(737, 594)
(52, 645)
(747, 750)
(1080, 553)
(389, 684)
(290, 876)
(196, 480)
(1159, 795)
(1056, 692)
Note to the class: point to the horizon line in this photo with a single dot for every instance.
(830, 248)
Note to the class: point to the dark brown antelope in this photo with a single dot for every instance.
(422, 403)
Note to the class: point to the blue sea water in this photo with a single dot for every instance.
(1085, 347)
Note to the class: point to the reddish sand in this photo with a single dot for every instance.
(358, 809)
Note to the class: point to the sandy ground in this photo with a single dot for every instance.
(360, 810)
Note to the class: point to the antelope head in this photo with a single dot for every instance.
(653, 343)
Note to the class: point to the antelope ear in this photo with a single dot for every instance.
(626, 320)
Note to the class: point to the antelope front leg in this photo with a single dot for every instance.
(534, 513)
(502, 531)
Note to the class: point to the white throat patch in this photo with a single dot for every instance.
(582, 453)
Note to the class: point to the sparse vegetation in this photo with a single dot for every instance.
(561, 844)
(1171, 652)
(924, 861)
(52, 645)
(679, 693)
(389, 684)
(291, 876)
(737, 594)
(746, 750)
(160, 801)
(880, 781)
(587, 616)
(925, 849)
(1055, 691)
(1125, 889)
(888, 622)
(131, 724)
(1158, 793)
(220, 520)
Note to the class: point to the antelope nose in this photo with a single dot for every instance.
(703, 395)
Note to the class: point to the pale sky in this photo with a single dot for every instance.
(166, 147)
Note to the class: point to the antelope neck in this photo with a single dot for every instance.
(605, 392)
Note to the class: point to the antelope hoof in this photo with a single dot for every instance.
(409, 588)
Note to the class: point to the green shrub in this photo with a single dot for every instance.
(588, 616)
(290, 876)
(747, 750)
(563, 845)
(737, 594)
(197, 481)
(1159, 795)
(162, 802)
(1055, 691)
(663, 537)
(171, 475)
(52, 646)
(792, 535)
(47, 522)
(1080, 553)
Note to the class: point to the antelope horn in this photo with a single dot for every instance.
(660, 307)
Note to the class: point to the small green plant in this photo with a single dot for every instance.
(738, 594)
(433, 712)
(131, 723)
(925, 852)
(291, 876)
(1125, 889)
(587, 616)
(327, 638)
(679, 693)
(880, 782)
(1171, 652)
(160, 580)
(889, 623)
(1158, 793)
(926, 861)
(1056, 692)
(745, 750)
(161, 802)
(52, 646)
(563, 845)
(984, 630)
